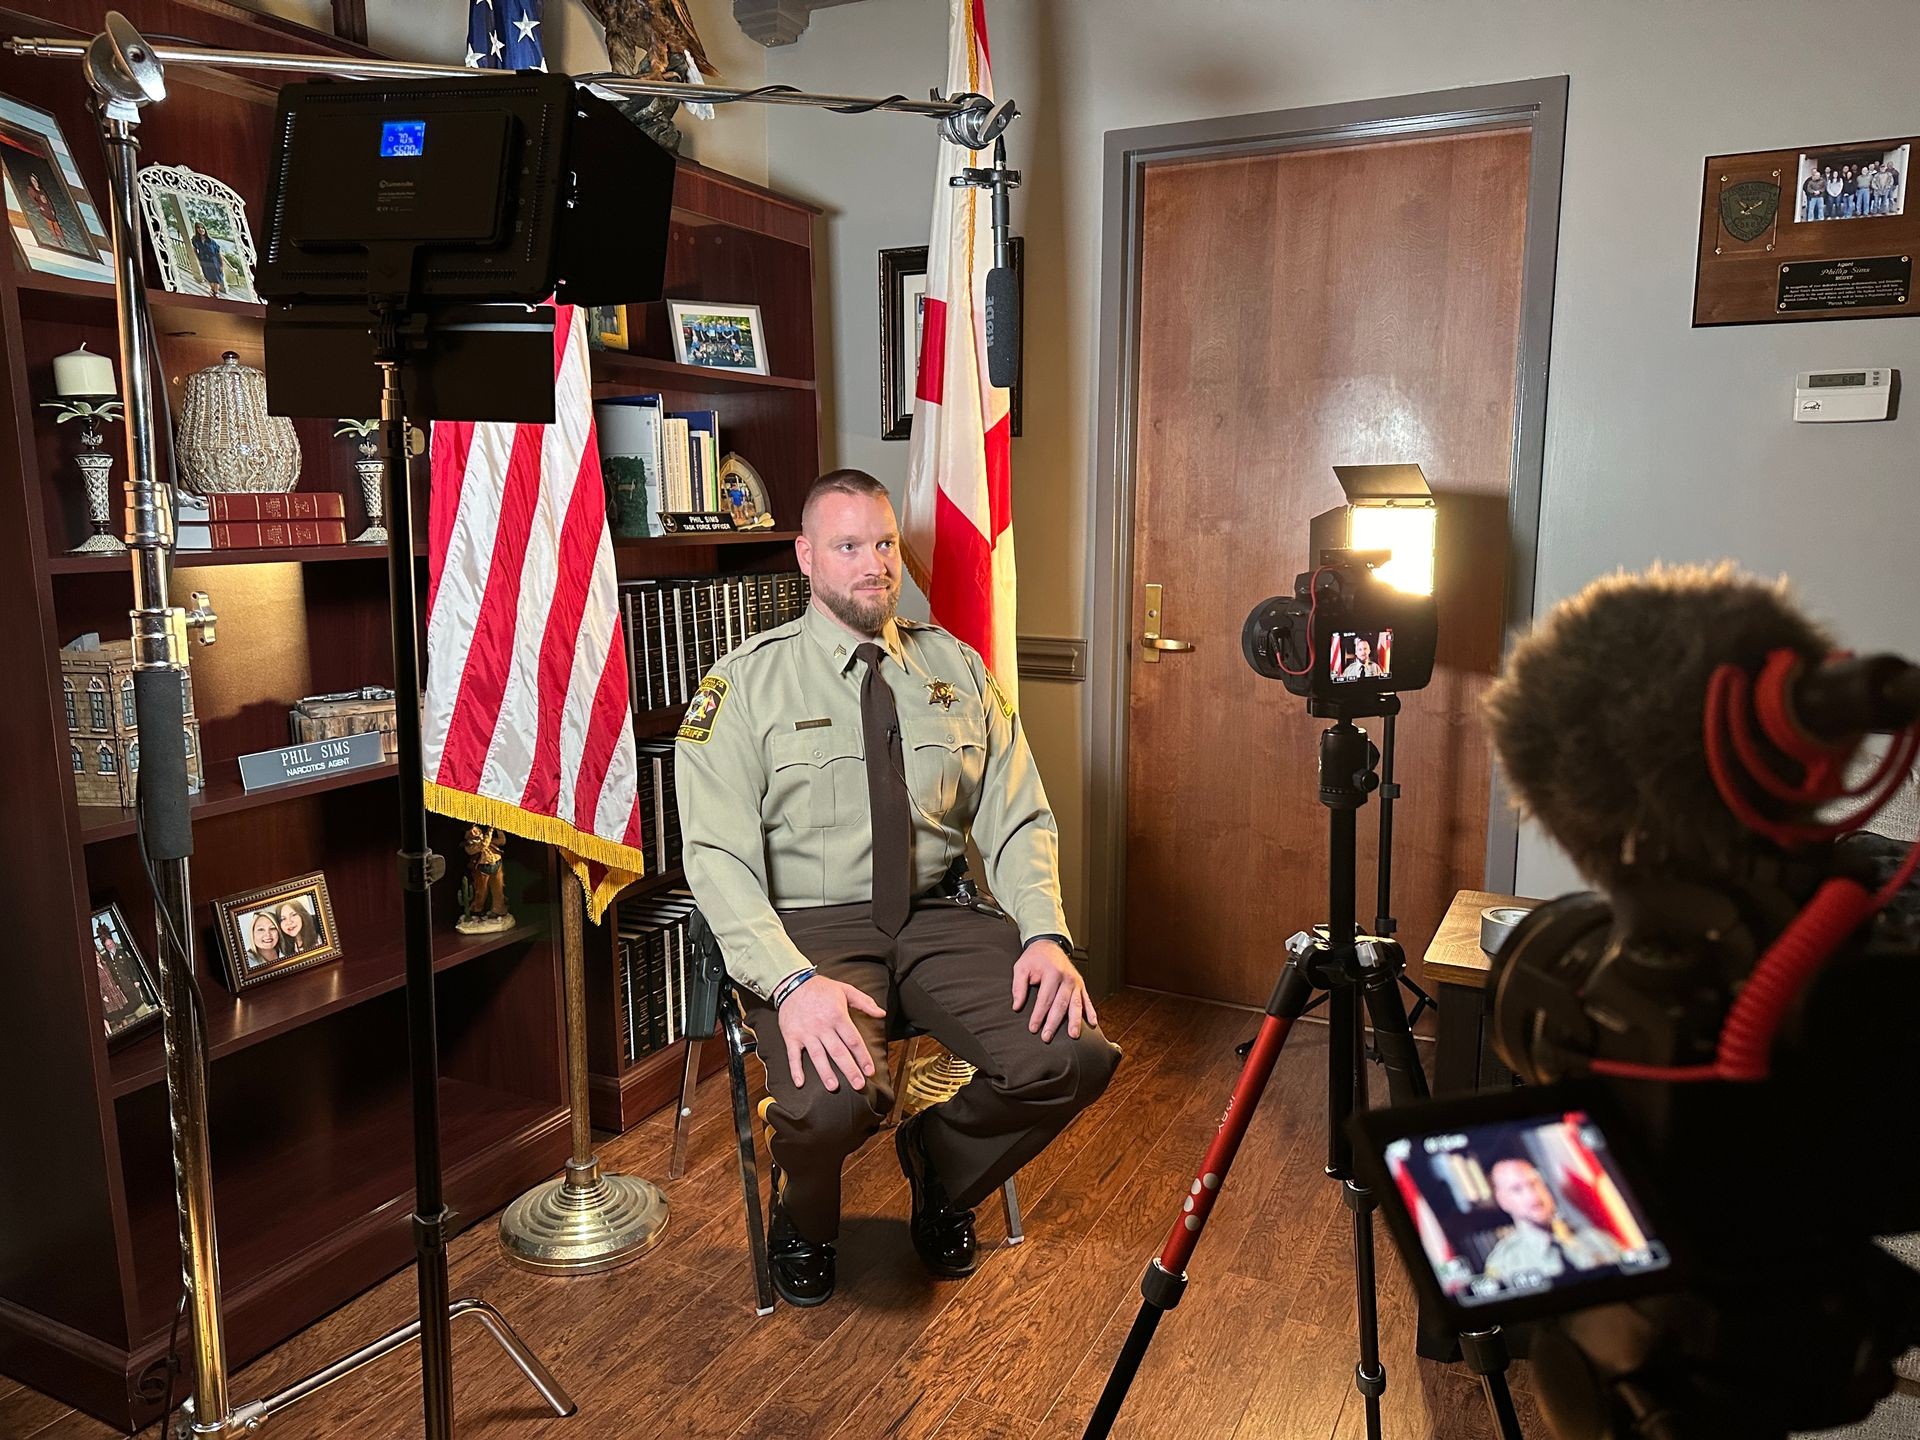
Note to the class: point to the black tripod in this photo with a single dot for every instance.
(1339, 962)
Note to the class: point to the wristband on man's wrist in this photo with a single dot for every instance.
(1060, 940)
(792, 983)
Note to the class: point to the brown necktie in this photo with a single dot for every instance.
(886, 795)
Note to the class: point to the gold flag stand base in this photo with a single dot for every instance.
(584, 1221)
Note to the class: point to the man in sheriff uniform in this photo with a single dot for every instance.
(1543, 1243)
(830, 772)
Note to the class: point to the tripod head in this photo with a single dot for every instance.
(1349, 766)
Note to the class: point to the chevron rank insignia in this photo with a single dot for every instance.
(697, 725)
(941, 693)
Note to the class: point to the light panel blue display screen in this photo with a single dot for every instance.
(402, 139)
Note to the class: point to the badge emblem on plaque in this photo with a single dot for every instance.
(1748, 208)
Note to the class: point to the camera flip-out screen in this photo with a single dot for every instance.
(1361, 655)
(1510, 1207)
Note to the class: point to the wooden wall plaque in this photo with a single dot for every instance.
(1823, 232)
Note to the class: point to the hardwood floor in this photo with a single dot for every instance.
(1260, 1349)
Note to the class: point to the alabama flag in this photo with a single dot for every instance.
(957, 516)
(527, 724)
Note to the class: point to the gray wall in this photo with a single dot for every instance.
(1663, 442)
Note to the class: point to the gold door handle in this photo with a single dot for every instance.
(1151, 640)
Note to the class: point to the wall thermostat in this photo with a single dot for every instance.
(1826, 395)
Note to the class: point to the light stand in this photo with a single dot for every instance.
(124, 76)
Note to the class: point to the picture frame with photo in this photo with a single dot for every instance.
(54, 221)
(903, 290)
(718, 336)
(198, 226)
(129, 996)
(607, 327)
(1851, 182)
(277, 930)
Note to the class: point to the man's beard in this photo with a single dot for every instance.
(864, 612)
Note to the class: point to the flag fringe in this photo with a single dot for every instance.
(623, 863)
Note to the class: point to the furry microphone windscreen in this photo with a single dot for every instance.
(1597, 721)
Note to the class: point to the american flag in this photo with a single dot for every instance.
(956, 519)
(504, 35)
(527, 724)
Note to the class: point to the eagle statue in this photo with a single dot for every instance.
(652, 40)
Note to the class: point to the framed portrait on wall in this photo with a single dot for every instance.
(903, 297)
(275, 931)
(129, 999)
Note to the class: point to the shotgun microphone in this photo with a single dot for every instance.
(1002, 317)
(1003, 288)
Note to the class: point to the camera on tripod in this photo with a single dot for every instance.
(1718, 1120)
(1361, 626)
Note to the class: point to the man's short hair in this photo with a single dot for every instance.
(839, 482)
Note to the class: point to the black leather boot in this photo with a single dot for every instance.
(802, 1268)
(942, 1234)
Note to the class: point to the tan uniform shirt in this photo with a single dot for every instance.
(772, 779)
(1530, 1250)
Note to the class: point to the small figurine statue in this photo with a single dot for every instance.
(484, 896)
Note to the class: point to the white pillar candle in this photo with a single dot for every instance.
(81, 372)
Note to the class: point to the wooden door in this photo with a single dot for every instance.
(1301, 309)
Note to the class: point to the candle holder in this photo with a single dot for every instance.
(372, 471)
(95, 467)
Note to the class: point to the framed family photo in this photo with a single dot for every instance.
(903, 298)
(719, 337)
(52, 217)
(198, 226)
(273, 932)
(129, 999)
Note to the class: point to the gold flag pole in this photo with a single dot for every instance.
(586, 1220)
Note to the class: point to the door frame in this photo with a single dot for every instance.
(1539, 106)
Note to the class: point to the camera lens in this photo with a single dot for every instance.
(1536, 982)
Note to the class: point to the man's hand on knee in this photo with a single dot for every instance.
(814, 1022)
(1059, 994)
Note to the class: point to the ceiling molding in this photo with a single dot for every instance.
(778, 22)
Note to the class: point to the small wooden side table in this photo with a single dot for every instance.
(1464, 1060)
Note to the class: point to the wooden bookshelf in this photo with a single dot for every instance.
(736, 242)
(309, 1118)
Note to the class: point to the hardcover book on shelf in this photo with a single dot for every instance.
(277, 505)
(679, 477)
(703, 453)
(631, 461)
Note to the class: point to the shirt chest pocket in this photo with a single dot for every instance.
(946, 759)
(819, 777)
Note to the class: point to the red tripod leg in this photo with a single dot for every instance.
(1166, 1278)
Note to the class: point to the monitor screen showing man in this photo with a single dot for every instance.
(1362, 656)
(1516, 1207)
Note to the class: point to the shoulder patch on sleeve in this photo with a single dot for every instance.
(696, 726)
(999, 696)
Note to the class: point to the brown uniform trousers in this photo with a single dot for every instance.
(950, 973)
